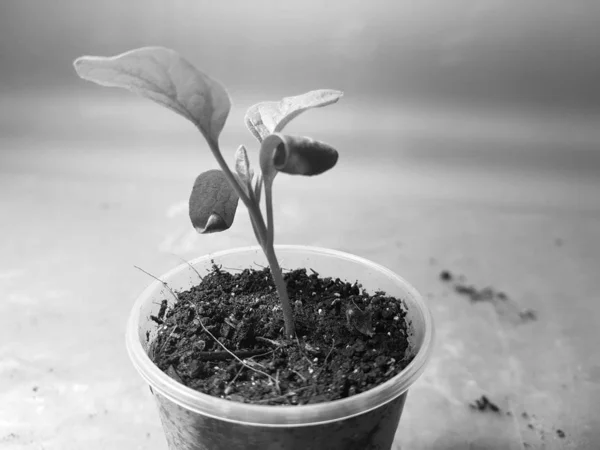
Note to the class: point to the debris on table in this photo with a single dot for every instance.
(499, 299)
(534, 425)
(483, 404)
(445, 275)
(528, 314)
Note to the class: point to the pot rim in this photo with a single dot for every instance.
(279, 416)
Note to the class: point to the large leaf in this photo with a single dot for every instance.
(167, 78)
(265, 118)
(213, 202)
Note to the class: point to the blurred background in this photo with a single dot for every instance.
(468, 136)
(486, 83)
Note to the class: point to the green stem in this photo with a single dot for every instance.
(258, 222)
(259, 238)
(216, 151)
(263, 234)
(288, 315)
(269, 204)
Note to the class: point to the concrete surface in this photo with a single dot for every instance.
(78, 210)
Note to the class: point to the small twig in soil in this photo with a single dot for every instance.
(239, 372)
(162, 347)
(277, 382)
(251, 360)
(308, 360)
(330, 351)
(323, 366)
(160, 281)
(299, 374)
(270, 341)
(188, 263)
(357, 306)
(259, 355)
(222, 356)
(233, 354)
(302, 351)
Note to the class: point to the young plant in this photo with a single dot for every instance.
(162, 75)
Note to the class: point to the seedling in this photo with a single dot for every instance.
(164, 76)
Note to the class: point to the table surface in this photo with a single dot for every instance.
(79, 211)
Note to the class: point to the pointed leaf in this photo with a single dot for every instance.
(254, 123)
(265, 118)
(242, 165)
(162, 75)
(213, 202)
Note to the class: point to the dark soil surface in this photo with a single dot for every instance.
(347, 341)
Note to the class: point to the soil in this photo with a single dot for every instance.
(347, 340)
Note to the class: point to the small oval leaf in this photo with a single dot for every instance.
(266, 118)
(164, 76)
(213, 202)
(303, 156)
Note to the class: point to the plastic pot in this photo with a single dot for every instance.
(196, 421)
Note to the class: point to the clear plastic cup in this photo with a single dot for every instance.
(195, 421)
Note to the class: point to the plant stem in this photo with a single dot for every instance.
(258, 187)
(253, 209)
(263, 234)
(255, 229)
(288, 315)
(216, 151)
(256, 202)
(269, 204)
